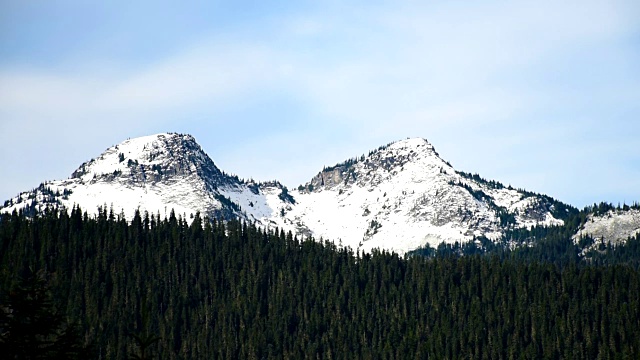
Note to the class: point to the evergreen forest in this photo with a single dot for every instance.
(163, 288)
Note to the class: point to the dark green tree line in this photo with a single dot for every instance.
(232, 290)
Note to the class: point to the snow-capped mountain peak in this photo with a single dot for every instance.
(157, 173)
(385, 162)
(406, 185)
(151, 159)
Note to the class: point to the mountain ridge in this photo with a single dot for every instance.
(399, 197)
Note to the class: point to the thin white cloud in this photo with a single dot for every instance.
(203, 74)
(434, 56)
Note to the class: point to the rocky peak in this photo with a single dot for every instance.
(387, 160)
(150, 159)
(396, 155)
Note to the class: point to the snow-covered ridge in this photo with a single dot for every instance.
(398, 197)
(615, 226)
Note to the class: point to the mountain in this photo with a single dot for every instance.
(403, 196)
(155, 173)
(399, 197)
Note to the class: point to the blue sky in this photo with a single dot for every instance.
(543, 95)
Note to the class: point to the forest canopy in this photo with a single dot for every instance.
(214, 289)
